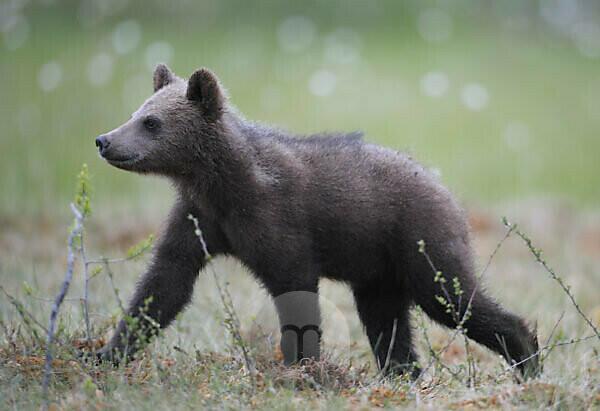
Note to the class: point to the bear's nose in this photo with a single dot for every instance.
(102, 143)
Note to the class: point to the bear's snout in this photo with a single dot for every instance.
(102, 143)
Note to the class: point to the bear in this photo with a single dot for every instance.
(294, 209)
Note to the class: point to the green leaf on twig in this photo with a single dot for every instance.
(140, 248)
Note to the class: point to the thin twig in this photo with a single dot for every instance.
(562, 343)
(51, 300)
(537, 253)
(432, 352)
(233, 320)
(466, 314)
(390, 348)
(104, 260)
(26, 315)
(487, 265)
(376, 347)
(562, 314)
(86, 281)
(423, 251)
(75, 233)
(471, 371)
(109, 273)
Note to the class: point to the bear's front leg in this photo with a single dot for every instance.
(300, 321)
(163, 291)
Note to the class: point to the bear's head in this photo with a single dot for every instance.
(180, 123)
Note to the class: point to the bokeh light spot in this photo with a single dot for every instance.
(296, 34)
(435, 84)
(50, 76)
(475, 96)
(126, 36)
(100, 69)
(322, 83)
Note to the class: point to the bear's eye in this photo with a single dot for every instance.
(151, 123)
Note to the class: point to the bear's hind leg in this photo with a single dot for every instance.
(487, 322)
(385, 315)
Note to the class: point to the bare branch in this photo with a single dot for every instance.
(537, 253)
(73, 236)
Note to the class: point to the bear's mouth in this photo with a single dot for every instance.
(121, 162)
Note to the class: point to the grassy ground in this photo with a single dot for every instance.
(529, 154)
(196, 363)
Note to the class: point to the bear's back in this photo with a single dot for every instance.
(343, 174)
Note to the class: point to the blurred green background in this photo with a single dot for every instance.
(501, 98)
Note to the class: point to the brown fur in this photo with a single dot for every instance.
(294, 210)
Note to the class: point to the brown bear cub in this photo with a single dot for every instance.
(294, 210)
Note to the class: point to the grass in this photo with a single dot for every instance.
(542, 176)
(196, 363)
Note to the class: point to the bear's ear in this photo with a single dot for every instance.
(204, 89)
(162, 77)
